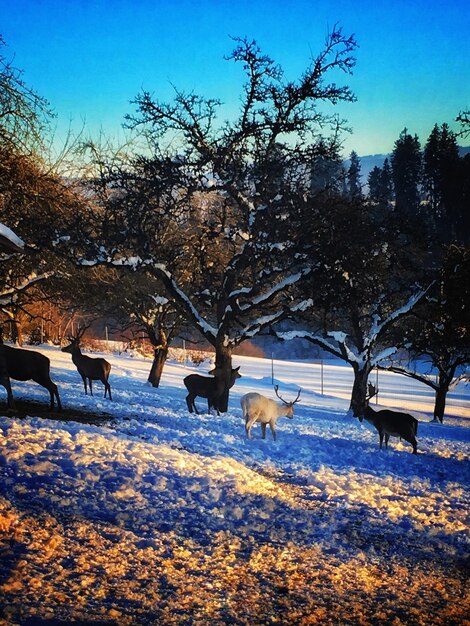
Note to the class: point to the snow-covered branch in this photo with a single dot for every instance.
(10, 294)
(183, 301)
(271, 293)
(9, 240)
(378, 327)
(319, 340)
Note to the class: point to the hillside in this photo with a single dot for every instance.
(369, 161)
(150, 515)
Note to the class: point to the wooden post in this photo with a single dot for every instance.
(377, 384)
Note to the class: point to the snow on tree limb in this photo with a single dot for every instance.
(379, 327)
(10, 295)
(184, 302)
(312, 337)
(410, 373)
(9, 240)
(343, 348)
(252, 329)
(266, 297)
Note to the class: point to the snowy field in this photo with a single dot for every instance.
(156, 516)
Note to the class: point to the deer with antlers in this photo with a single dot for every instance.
(390, 423)
(258, 408)
(89, 368)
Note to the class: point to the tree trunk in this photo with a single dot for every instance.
(359, 390)
(223, 362)
(16, 334)
(159, 359)
(440, 401)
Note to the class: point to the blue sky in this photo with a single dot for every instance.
(90, 58)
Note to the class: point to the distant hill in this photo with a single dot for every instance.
(369, 161)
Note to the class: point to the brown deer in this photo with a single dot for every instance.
(390, 423)
(27, 365)
(258, 408)
(89, 368)
(210, 388)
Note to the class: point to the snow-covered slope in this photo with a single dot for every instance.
(156, 516)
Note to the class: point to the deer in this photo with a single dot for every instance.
(390, 423)
(210, 388)
(89, 368)
(24, 365)
(258, 408)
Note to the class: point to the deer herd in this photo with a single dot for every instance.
(23, 365)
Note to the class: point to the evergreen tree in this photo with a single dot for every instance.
(386, 185)
(373, 182)
(451, 183)
(445, 182)
(354, 176)
(406, 173)
(431, 170)
(380, 184)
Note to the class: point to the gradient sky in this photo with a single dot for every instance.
(90, 58)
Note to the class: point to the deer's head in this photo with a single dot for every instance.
(289, 405)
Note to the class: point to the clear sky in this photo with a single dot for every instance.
(90, 58)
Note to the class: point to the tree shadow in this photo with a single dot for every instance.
(26, 408)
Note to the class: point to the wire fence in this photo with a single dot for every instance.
(328, 377)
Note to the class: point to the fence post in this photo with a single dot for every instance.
(321, 375)
(377, 383)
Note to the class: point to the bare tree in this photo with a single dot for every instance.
(369, 277)
(438, 332)
(24, 115)
(214, 212)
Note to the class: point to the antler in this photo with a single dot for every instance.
(81, 330)
(298, 396)
(276, 387)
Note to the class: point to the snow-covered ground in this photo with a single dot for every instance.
(156, 516)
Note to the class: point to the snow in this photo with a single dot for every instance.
(9, 235)
(157, 516)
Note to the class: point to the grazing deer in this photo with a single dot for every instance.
(89, 368)
(258, 408)
(390, 423)
(27, 365)
(210, 388)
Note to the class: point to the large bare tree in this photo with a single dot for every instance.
(214, 209)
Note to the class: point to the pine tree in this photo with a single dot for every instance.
(431, 174)
(406, 173)
(380, 184)
(373, 182)
(386, 185)
(354, 176)
(443, 182)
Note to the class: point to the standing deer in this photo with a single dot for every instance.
(27, 365)
(89, 368)
(210, 388)
(258, 408)
(390, 423)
